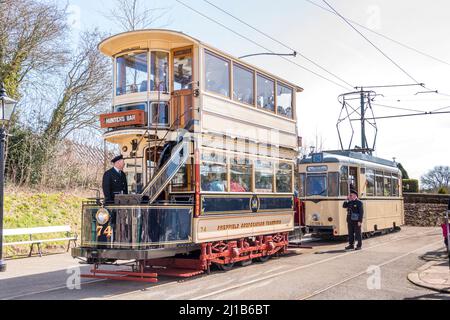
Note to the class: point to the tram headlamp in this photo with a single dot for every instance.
(102, 216)
(315, 217)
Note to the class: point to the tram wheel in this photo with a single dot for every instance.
(263, 259)
(225, 267)
(246, 263)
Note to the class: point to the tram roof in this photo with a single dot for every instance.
(138, 39)
(346, 156)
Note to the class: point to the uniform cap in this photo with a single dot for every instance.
(117, 159)
(354, 192)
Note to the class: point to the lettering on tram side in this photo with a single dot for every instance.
(248, 225)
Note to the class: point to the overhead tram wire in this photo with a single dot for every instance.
(373, 45)
(277, 41)
(381, 51)
(384, 36)
(259, 45)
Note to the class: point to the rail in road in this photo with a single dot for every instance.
(307, 275)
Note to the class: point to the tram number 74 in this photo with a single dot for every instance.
(107, 232)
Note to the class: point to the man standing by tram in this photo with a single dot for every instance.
(355, 215)
(115, 180)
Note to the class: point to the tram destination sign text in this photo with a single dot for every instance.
(121, 119)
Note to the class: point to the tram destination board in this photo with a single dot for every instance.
(121, 119)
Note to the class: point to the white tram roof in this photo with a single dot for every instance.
(150, 38)
(350, 157)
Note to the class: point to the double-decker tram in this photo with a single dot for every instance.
(210, 145)
(325, 180)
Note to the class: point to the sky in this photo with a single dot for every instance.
(419, 143)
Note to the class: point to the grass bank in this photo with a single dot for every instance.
(25, 209)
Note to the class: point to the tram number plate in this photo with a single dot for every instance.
(315, 223)
(104, 230)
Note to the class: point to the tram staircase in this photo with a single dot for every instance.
(174, 155)
(179, 155)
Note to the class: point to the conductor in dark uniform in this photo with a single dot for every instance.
(355, 215)
(115, 180)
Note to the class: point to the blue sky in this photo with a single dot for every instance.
(418, 142)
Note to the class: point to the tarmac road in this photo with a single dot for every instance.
(327, 272)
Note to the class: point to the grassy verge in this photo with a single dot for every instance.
(28, 210)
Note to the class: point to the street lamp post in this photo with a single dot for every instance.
(7, 106)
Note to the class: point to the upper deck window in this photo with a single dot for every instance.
(182, 69)
(284, 100)
(131, 73)
(243, 84)
(159, 79)
(217, 74)
(266, 93)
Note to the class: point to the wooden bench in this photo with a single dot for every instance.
(70, 236)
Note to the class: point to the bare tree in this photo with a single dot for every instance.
(31, 40)
(86, 92)
(438, 177)
(135, 14)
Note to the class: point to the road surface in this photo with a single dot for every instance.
(326, 271)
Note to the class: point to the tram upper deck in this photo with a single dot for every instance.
(173, 81)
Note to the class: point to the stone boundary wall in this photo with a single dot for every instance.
(425, 210)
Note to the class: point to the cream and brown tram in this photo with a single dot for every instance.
(210, 145)
(324, 182)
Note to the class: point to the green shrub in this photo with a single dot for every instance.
(410, 185)
(443, 190)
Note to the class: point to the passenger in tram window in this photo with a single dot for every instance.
(213, 183)
(238, 186)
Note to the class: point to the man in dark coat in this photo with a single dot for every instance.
(355, 215)
(115, 180)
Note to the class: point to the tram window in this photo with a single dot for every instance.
(265, 93)
(301, 186)
(160, 114)
(387, 185)
(284, 178)
(214, 172)
(217, 74)
(130, 107)
(183, 180)
(182, 70)
(241, 175)
(343, 185)
(131, 74)
(333, 184)
(370, 182)
(316, 185)
(395, 186)
(263, 176)
(284, 100)
(379, 183)
(159, 78)
(243, 84)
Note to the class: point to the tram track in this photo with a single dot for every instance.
(170, 282)
(281, 273)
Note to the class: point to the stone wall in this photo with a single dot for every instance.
(425, 210)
